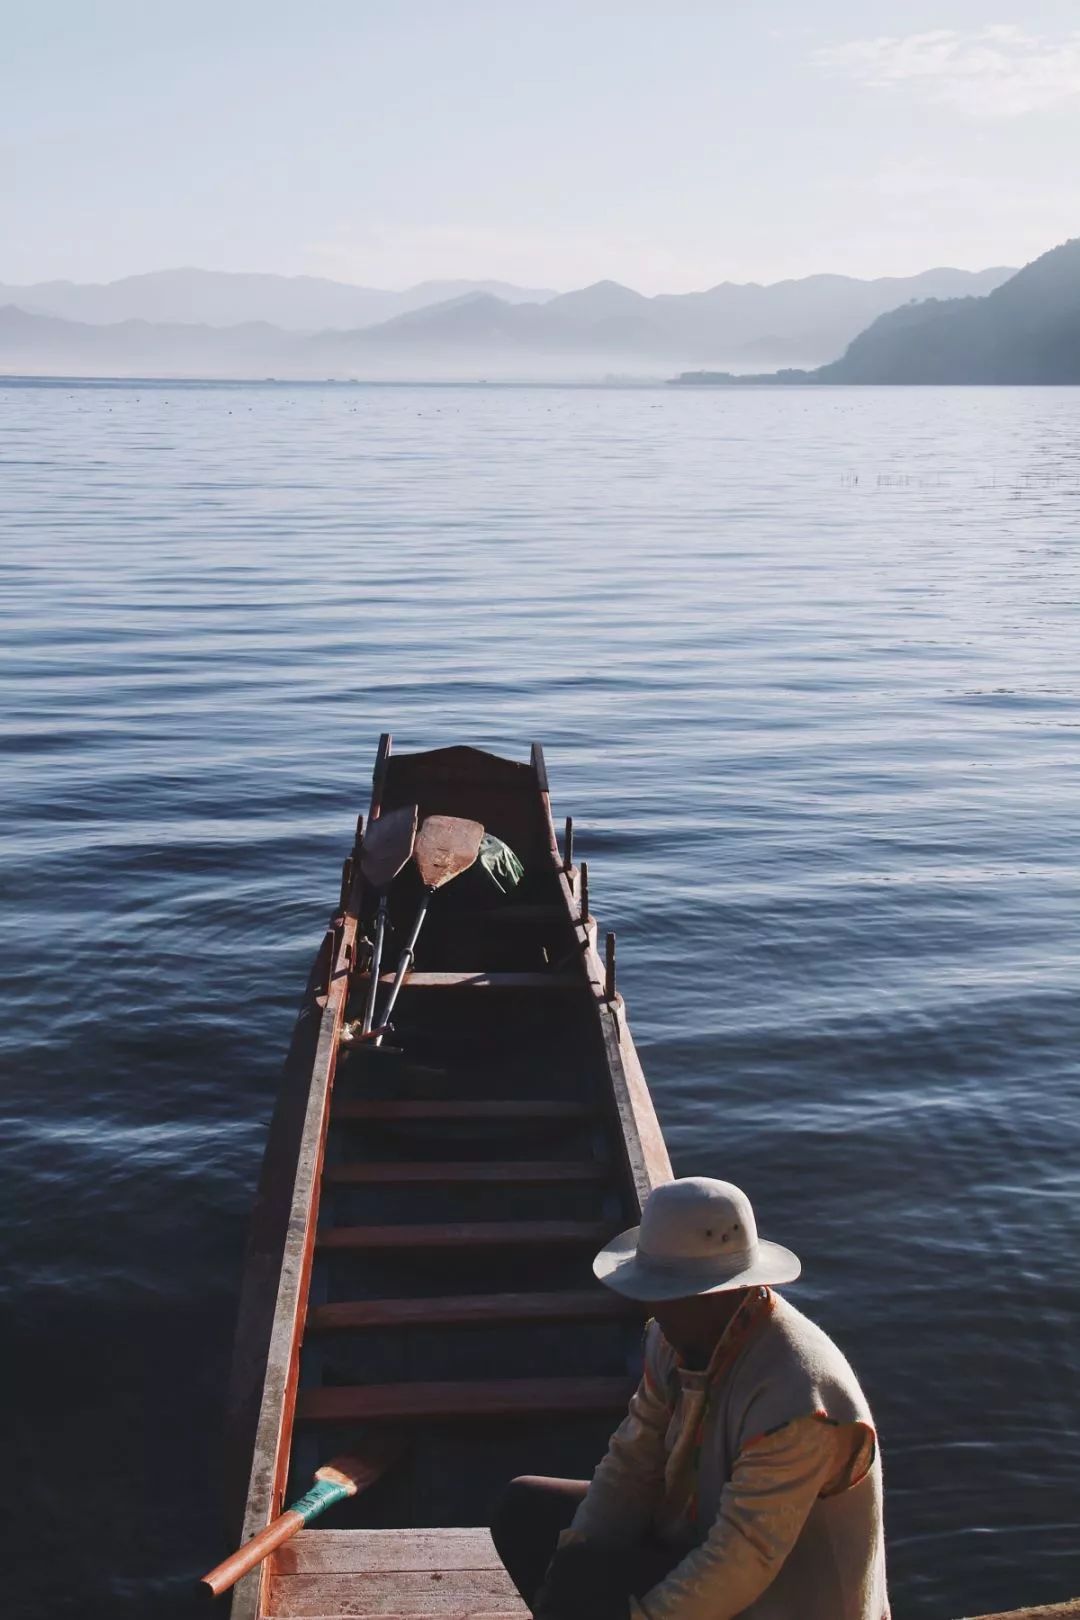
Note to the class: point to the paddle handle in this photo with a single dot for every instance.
(229, 1571)
(376, 963)
(406, 960)
(333, 1483)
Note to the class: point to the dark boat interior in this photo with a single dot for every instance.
(473, 1164)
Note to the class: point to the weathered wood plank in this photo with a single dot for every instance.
(447, 1173)
(539, 765)
(385, 1551)
(269, 1466)
(464, 1235)
(645, 1151)
(1054, 1611)
(520, 1613)
(378, 775)
(494, 1398)
(643, 1142)
(267, 1236)
(593, 1305)
(458, 1108)
(342, 1551)
(412, 1592)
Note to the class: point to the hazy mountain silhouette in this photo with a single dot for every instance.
(603, 301)
(812, 319)
(794, 320)
(221, 298)
(33, 344)
(587, 333)
(1025, 331)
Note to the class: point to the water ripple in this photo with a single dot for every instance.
(806, 666)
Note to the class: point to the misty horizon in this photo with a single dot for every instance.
(193, 322)
(433, 279)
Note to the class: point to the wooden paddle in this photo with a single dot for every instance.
(343, 1477)
(445, 847)
(388, 846)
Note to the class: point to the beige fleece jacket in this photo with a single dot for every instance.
(762, 1471)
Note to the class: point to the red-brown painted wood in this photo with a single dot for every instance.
(382, 1551)
(447, 1173)
(455, 1108)
(417, 1594)
(494, 1398)
(464, 1235)
(593, 1305)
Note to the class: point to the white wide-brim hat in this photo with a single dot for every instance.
(697, 1236)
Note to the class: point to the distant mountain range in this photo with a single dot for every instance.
(222, 298)
(328, 329)
(1027, 330)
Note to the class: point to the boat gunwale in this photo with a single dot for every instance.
(269, 1466)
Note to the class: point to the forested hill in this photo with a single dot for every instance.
(1025, 331)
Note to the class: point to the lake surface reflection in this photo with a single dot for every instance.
(805, 664)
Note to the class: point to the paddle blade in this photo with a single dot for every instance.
(388, 844)
(382, 1448)
(445, 847)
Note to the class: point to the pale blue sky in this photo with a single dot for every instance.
(669, 146)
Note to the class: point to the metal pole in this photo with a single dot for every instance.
(376, 963)
(405, 963)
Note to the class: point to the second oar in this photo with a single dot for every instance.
(388, 846)
(445, 847)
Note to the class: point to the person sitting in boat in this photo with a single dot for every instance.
(745, 1479)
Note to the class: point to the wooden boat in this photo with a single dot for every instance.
(421, 1246)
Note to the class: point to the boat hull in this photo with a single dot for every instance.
(426, 1216)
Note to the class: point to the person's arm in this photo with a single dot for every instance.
(763, 1507)
(626, 1486)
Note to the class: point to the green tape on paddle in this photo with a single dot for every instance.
(333, 1483)
(322, 1495)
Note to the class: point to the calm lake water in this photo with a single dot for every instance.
(806, 666)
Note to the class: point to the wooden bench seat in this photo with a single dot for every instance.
(451, 1173)
(463, 1310)
(492, 1398)
(463, 1235)
(395, 1574)
(515, 1110)
(1055, 1611)
(378, 1552)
